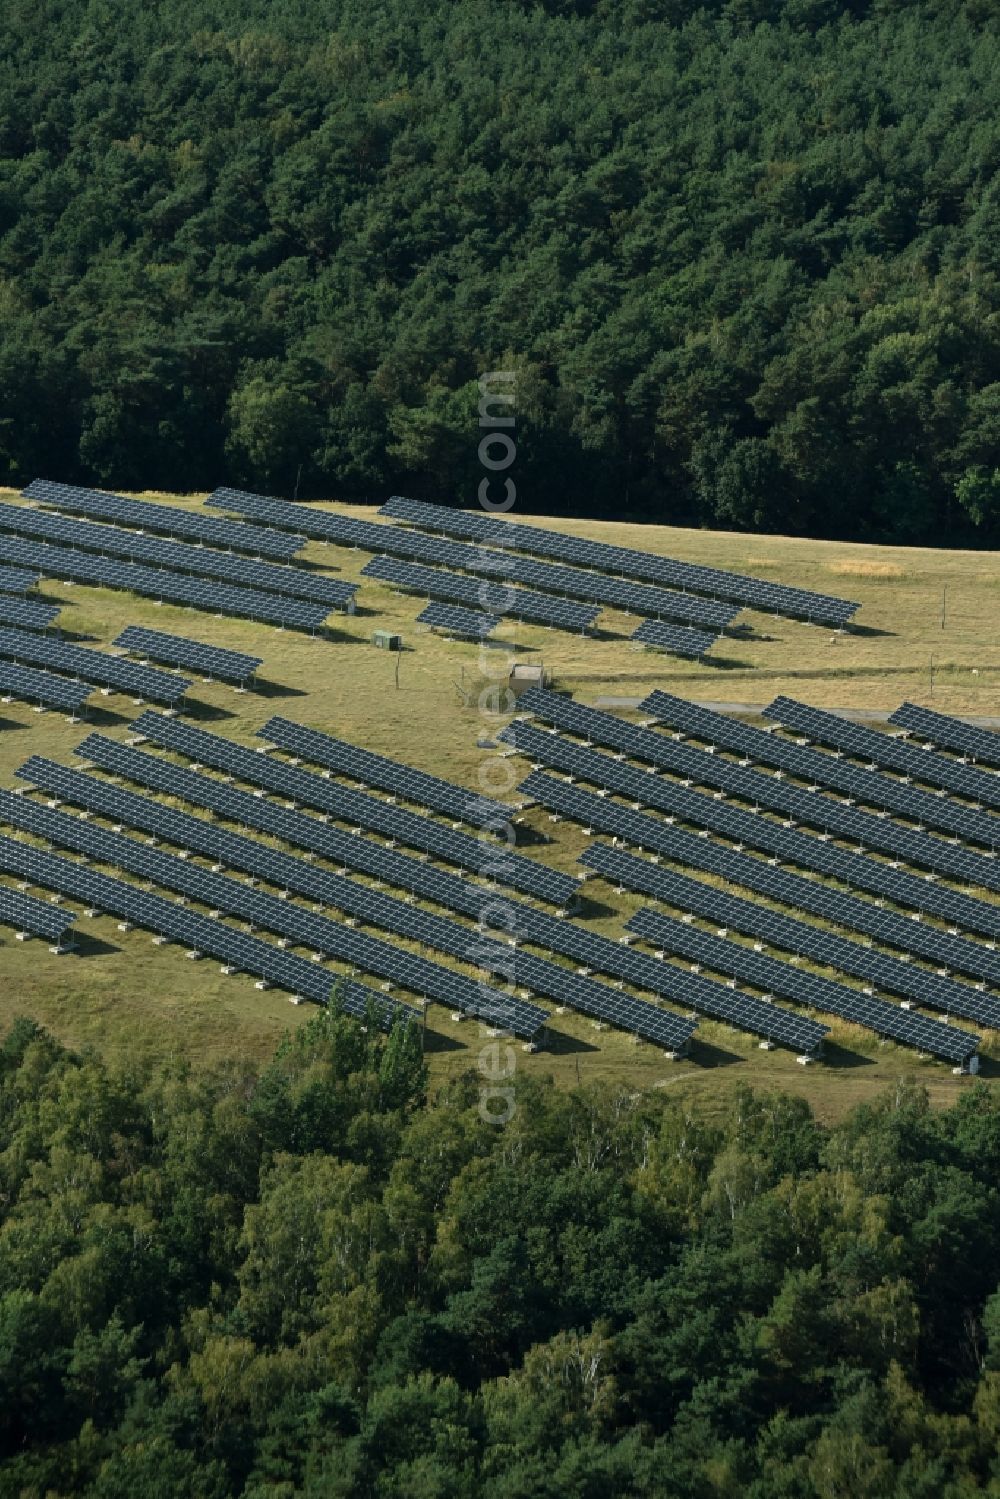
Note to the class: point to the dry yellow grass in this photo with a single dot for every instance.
(121, 993)
(867, 570)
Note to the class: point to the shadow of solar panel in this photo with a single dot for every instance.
(754, 593)
(168, 519)
(759, 790)
(493, 598)
(349, 806)
(812, 766)
(17, 580)
(459, 621)
(743, 827)
(388, 775)
(95, 667)
(26, 614)
(915, 938)
(671, 638)
(883, 749)
(179, 556)
(175, 650)
(35, 917)
(203, 934)
(162, 584)
(29, 685)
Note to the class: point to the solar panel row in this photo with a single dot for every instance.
(90, 666)
(871, 787)
(41, 687)
(596, 588)
(388, 775)
(760, 790)
(353, 807)
(17, 580)
(774, 977)
(355, 900)
(489, 597)
(35, 917)
(600, 953)
(161, 584)
(949, 733)
(912, 937)
(754, 593)
(804, 940)
(256, 541)
(883, 749)
(743, 827)
(459, 621)
(177, 556)
(27, 614)
(672, 638)
(175, 650)
(204, 935)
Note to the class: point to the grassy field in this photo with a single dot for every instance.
(925, 631)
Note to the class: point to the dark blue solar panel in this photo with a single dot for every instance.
(27, 614)
(175, 650)
(754, 593)
(161, 584)
(169, 520)
(95, 667)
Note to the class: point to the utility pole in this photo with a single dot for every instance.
(944, 605)
(298, 478)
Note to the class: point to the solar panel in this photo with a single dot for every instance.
(672, 638)
(288, 872)
(163, 585)
(388, 775)
(884, 749)
(17, 580)
(917, 938)
(597, 588)
(818, 769)
(35, 918)
(95, 667)
(878, 969)
(202, 934)
(754, 593)
(354, 807)
(41, 687)
(168, 519)
(743, 827)
(792, 802)
(495, 598)
(27, 614)
(175, 650)
(199, 561)
(949, 733)
(355, 900)
(568, 937)
(459, 621)
(774, 977)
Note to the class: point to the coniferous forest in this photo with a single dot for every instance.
(305, 1280)
(743, 255)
